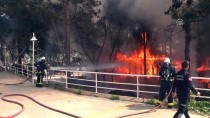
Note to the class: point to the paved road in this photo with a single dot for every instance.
(80, 105)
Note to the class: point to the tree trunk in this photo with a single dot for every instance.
(187, 46)
(67, 28)
(187, 29)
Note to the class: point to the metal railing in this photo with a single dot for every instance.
(103, 82)
(22, 70)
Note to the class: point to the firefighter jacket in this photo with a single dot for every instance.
(167, 72)
(41, 66)
(183, 84)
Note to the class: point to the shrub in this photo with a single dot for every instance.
(79, 92)
(114, 97)
(199, 107)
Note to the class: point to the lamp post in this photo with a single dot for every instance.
(5, 58)
(33, 39)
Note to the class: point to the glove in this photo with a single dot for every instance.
(198, 94)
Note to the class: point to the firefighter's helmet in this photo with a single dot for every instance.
(43, 58)
(167, 60)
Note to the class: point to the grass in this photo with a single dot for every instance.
(114, 97)
(79, 92)
(198, 107)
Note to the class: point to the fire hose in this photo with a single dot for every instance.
(20, 111)
(16, 83)
(62, 112)
(150, 110)
(22, 106)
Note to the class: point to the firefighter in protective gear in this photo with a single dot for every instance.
(40, 71)
(183, 85)
(167, 74)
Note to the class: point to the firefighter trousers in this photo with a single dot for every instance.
(165, 88)
(183, 108)
(39, 81)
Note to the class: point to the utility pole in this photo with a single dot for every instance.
(144, 36)
(170, 43)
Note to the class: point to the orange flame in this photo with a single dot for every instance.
(142, 61)
(134, 64)
(205, 65)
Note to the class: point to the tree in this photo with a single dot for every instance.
(100, 35)
(67, 22)
(190, 11)
(28, 16)
(85, 28)
(4, 30)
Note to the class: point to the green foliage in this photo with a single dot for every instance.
(57, 86)
(79, 92)
(4, 23)
(114, 97)
(26, 17)
(204, 5)
(152, 101)
(190, 11)
(4, 31)
(200, 107)
(193, 10)
(84, 17)
(155, 101)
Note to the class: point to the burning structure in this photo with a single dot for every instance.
(142, 54)
(138, 64)
(204, 71)
(142, 60)
(147, 42)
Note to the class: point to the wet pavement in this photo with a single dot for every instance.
(80, 105)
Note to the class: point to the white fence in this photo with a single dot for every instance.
(138, 85)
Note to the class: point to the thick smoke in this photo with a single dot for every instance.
(140, 16)
(151, 11)
(151, 14)
(202, 46)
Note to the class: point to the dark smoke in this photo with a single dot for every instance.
(149, 16)
(139, 16)
(202, 46)
(150, 11)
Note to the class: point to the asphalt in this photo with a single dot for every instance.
(80, 105)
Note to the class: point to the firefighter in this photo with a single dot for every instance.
(183, 85)
(40, 71)
(167, 74)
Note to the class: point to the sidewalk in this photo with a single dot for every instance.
(80, 105)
